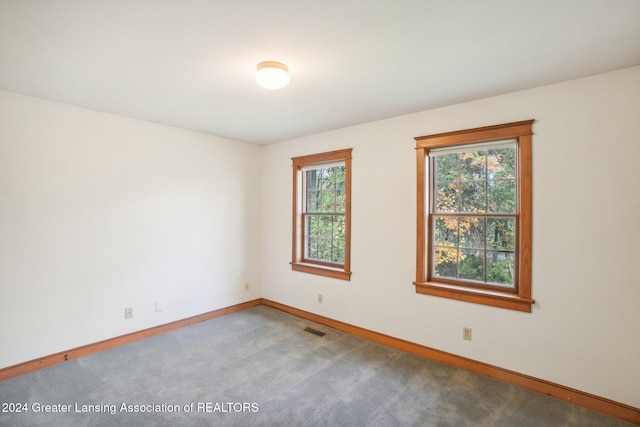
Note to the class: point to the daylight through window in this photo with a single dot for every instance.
(323, 216)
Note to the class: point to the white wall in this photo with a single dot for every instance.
(584, 328)
(100, 212)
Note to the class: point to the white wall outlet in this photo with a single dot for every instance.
(466, 334)
(320, 299)
(128, 312)
(159, 306)
(246, 286)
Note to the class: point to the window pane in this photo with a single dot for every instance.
(471, 265)
(502, 196)
(445, 262)
(500, 267)
(312, 190)
(311, 226)
(324, 250)
(447, 198)
(311, 248)
(328, 201)
(312, 200)
(325, 226)
(338, 239)
(501, 233)
(340, 193)
(446, 231)
(446, 168)
(471, 232)
(472, 166)
(501, 163)
(473, 197)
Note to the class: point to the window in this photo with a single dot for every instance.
(322, 214)
(474, 215)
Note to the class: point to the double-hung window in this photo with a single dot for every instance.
(322, 214)
(474, 215)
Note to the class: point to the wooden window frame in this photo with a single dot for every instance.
(517, 298)
(298, 263)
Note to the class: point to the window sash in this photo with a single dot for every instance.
(338, 188)
(431, 182)
(474, 261)
(334, 246)
(459, 249)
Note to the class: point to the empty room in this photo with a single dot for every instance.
(319, 213)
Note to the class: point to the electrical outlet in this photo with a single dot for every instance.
(466, 334)
(159, 306)
(128, 312)
(320, 299)
(246, 286)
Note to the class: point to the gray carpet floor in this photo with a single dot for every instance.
(259, 367)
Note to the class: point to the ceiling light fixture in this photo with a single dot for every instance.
(272, 75)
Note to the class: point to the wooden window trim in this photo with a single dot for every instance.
(514, 299)
(298, 263)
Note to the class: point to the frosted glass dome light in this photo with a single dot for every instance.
(272, 75)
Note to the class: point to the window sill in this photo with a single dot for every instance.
(479, 296)
(321, 270)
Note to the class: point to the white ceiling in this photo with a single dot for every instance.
(190, 63)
